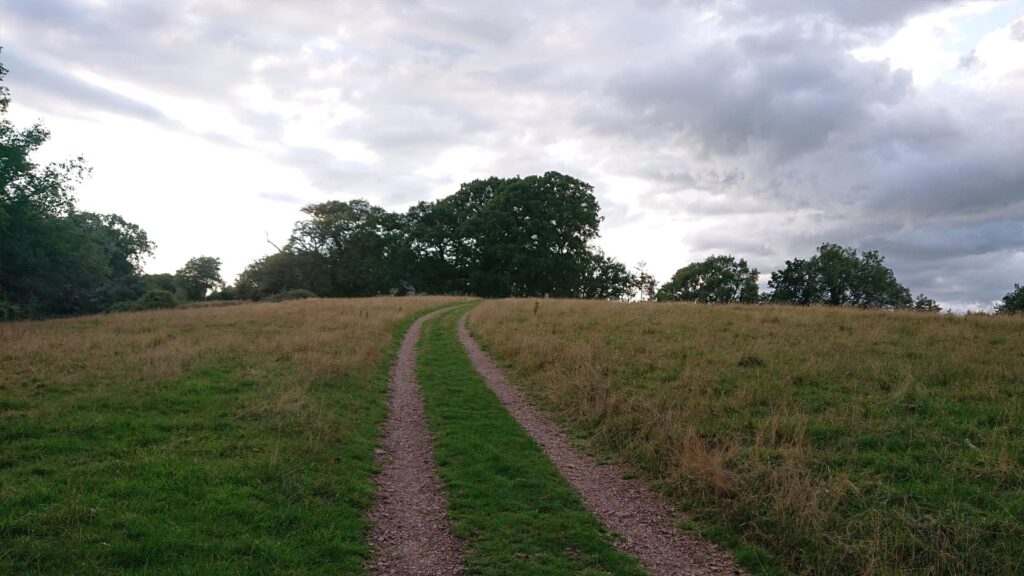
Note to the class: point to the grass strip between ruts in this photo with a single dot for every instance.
(511, 507)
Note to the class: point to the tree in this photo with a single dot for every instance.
(507, 237)
(924, 304)
(837, 276)
(165, 282)
(199, 276)
(646, 284)
(797, 283)
(53, 258)
(607, 279)
(281, 272)
(718, 279)
(531, 237)
(497, 237)
(445, 248)
(362, 246)
(1013, 302)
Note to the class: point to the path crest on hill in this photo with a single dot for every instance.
(410, 533)
(644, 522)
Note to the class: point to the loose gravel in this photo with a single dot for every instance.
(410, 532)
(644, 523)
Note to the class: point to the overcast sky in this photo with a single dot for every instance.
(759, 128)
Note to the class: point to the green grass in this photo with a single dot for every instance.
(508, 502)
(170, 482)
(249, 462)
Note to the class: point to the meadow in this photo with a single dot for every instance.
(221, 440)
(807, 439)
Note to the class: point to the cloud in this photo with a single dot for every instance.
(779, 94)
(751, 127)
(59, 91)
(851, 15)
(1017, 30)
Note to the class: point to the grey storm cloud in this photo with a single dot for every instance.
(871, 14)
(752, 115)
(783, 91)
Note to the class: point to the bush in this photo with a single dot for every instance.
(123, 306)
(155, 299)
(9, 311)
(296, 294)
(225, 294)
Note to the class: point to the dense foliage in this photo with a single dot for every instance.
(55, 259)
(1013, 302)
(838, 276)
(925, 304)
(495, 238)
(199, 276)
(718, 279)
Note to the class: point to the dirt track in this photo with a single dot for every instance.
(644, 522)
(410, 533)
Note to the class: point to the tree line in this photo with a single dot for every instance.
(57, 260)
(833, 276)
(499, 237)
(527, 236)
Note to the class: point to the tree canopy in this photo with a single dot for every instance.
(1013, 301)
(199, 276)
(497, 237)
(718, 279)
(838, 276)
(55, 259)
(925, 304)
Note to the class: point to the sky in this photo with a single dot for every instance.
(758, 128)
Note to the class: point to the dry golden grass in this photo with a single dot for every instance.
(843, 441)
(322, 338)
(287, 345)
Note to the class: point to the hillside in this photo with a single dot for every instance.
(839, 440)
(226, 440)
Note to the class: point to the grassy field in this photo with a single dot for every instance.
(842, 441)
(227, 440)
(511, 507)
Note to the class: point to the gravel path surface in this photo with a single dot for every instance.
(410, 532)
(643, 521)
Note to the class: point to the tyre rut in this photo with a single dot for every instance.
(410, 532)
(644, 522)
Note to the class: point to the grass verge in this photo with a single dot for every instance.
(841, 441)
(508, 502)
(232, 440)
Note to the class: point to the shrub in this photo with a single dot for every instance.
(224, 294)
(154, 299)
(123, 306)
(296, 294)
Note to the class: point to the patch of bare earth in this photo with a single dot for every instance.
(645, 523)
(410, 532)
